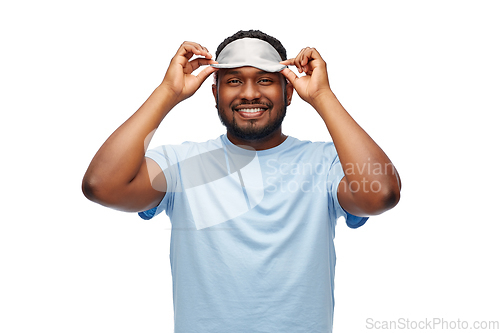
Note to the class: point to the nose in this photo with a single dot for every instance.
(250, 91)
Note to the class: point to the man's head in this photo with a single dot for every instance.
(251, 101)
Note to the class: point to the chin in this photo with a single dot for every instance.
(250, 133)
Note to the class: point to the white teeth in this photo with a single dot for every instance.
(251, 110)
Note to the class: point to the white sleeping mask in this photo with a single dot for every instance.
(251, 52)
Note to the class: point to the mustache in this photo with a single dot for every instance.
(253, 102)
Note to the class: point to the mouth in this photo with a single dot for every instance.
(251, 111)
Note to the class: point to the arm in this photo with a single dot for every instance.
(119, 175)
(371, 184)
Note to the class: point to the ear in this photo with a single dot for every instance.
(289, 92)
(214, 91)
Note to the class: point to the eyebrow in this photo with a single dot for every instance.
(237, 72)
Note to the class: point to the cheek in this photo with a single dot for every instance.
(275, 91)
(225, 97)
(278, 96)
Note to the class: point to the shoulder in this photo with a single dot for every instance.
(187, 148)
(310, 148)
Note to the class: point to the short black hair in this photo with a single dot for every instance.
(254, 34)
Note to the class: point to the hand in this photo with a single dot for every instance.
(315, 83)
(179, 78)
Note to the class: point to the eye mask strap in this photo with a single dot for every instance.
(251, 52)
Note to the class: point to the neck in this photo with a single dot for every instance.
(272, 140)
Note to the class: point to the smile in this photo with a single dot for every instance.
(251, 110)
(251, 113)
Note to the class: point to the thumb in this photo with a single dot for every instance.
(202, 76)
(290, 75)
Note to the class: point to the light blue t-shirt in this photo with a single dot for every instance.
(252, 235)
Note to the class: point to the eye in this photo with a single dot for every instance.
(233, 81)
(265, 81)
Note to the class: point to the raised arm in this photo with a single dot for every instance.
(119, 174)
(371, 184)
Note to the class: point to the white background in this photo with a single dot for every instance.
(421, 77)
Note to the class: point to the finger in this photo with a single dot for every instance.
(315, 60)
(288, 61)
(202, 76)
(306, 55)
(300, 62)
(289, 74)
(208, 53)
(291, 62)
(197, 62)
(309, 59)
(188, 49)
(306, 58)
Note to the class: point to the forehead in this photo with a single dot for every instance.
(245, 71)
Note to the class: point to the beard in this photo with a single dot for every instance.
(252, 132)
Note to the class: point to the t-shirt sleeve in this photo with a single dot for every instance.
(164, 156)
(335, 175)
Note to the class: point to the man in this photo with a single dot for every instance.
(253, 212)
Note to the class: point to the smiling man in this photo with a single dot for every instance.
(253, 211)
(251, 114)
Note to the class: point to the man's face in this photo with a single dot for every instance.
(251, 102)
